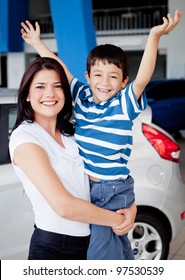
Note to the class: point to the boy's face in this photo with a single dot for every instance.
(105, 81)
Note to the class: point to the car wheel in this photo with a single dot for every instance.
(148, 238)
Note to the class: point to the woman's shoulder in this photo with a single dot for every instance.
(22, 127)
(21, 135)
(25, 132)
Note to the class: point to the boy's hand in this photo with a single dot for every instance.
(29, 34)
(168, 25)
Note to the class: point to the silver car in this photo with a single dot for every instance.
(159, 188)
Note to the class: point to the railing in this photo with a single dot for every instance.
(46, 25)
(120, 21)
(130, 20)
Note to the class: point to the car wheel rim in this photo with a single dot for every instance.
(146, 242)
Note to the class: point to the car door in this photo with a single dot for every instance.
(16, 216)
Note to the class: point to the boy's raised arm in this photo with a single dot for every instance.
(31, 36)
(148, 60)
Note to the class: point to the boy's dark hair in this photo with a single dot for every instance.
(111, 54)
(24, 109)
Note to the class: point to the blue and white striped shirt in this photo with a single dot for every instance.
(104, 130)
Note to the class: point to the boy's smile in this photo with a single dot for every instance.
(105, 80)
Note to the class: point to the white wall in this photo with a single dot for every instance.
(173, 45)
(16, 67)
(176, 43)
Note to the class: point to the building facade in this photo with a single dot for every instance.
(72, 28)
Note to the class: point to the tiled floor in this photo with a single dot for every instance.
(177, 248)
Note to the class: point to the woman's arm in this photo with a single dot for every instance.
(34, 162)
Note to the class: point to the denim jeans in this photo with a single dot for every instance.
(47, 245)
(104, 243)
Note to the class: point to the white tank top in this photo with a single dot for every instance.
(69, 167)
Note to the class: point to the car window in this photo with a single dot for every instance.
(165, 89)
(11, 119)
(7, 119)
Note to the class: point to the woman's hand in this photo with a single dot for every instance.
(130, 215)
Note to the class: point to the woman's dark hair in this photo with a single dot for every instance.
(24, 109)
(111, 54)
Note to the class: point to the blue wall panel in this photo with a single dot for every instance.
(12, 12)
(74, 32)
(3, 26)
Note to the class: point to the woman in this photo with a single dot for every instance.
(46, 160)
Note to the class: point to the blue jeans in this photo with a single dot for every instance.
(104, 243)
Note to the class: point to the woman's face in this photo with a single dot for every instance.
(46, 94)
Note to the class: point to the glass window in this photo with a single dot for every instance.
(11, 119)
(8, 113)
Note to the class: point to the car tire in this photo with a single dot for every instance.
(149, 239)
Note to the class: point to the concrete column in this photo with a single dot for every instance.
(15, 69)
(176, 44)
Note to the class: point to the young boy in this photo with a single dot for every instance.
(104, 113)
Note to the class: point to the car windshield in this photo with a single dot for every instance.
(165, 89)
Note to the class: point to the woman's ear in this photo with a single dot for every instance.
(87, 77)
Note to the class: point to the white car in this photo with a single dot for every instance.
(159, 188)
